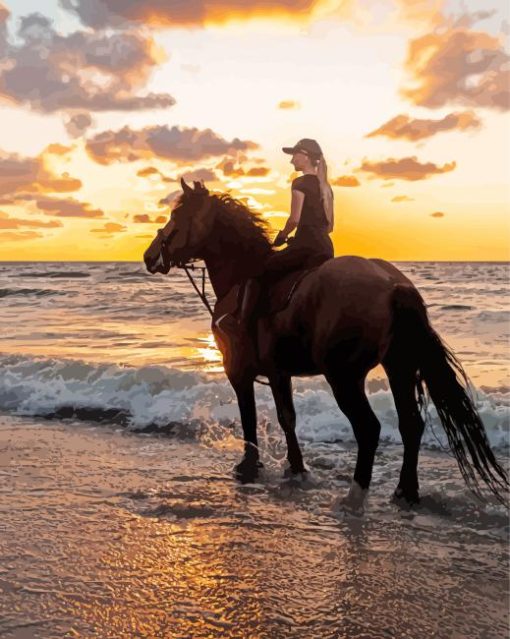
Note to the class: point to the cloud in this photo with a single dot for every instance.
(17, 236)
(229, 168)
(4, 13)
(402, 126)
(7, 222)
(84, 70)
(148, 171)
(98, 13)
(178, 144)
(437, 214)
(289, 104)
(143, 218)
(109, 228)
(405, 169)
(346, 180)
(456, 64)
(208, 175)
(76, 124)
(65, 207)
(57, 149)
(258, 171)
(402, 198)
(170, 198)
(22, 174)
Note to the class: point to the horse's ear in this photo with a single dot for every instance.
(185, 187)
(200, 187)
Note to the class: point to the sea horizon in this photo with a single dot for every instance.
(141, 261)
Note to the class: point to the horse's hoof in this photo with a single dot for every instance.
(289, 473)
(354, 502)
(247, 471)
(405, 499)
(345, 506)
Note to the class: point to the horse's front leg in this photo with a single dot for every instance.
(281, 385)
(248, 468)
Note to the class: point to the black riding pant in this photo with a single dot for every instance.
(298, 255)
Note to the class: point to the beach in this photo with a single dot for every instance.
(119, 513)
(107, 533)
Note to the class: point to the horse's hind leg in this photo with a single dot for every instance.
(281, 387)
(350, 395)
(410, 424)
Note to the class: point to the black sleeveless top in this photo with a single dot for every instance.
(313, 223)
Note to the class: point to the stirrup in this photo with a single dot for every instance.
(230, 325)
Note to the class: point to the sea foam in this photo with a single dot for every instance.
(152, 397)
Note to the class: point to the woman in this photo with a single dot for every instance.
(311, 215)
(311, 212)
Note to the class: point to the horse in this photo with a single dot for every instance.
(345, 316)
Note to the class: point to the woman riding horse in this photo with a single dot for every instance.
(346, 317)
(311, 215)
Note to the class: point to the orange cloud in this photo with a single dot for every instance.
(402, 126)
(402, 198)
(109, 228)
(7, 222)
(150, 170)
(227, 166)
(30, 175)
(4, 13)
(258, 171)
(178, 144)
(346, 180)
(57, 149)
(405, 169)
(100, 13)
(66, 207)
(288, 104)
(77, 123)
(457, 64)
(95, 71)
(437, 214)
(17, 236)
(143, 218)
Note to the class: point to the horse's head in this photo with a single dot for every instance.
(184, 236)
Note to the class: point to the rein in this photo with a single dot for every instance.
(201, 294)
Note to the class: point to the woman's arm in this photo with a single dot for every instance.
(296, 206)
(331, 223)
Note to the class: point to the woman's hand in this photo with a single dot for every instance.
(280, 239)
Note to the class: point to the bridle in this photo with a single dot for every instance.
(187, 265)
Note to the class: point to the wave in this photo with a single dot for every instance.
(456, 307)
(26, 292)
(55, 274)
(195, 405)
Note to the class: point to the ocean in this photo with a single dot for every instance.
(109, 341)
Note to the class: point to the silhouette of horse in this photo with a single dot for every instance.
(344, 318)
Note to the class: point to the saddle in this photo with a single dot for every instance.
(272, 300)
(275, 298)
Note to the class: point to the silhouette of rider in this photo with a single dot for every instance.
(311, 215)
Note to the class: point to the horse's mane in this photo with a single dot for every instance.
(240, 222)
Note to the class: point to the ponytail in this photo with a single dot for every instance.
(326, 190)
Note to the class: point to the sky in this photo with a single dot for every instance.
(106, 104)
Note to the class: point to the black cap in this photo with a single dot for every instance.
(306, 145)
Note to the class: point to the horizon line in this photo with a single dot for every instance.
(141, 261)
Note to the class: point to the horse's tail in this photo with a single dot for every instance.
(449, 388)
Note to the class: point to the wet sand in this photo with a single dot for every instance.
(110, 534)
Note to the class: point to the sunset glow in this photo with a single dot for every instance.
(408, 100)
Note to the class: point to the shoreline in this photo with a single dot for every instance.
(115, 534)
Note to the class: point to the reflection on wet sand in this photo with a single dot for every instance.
(112, 535)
